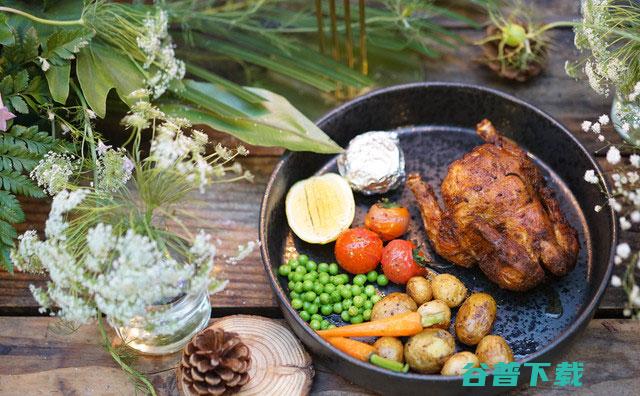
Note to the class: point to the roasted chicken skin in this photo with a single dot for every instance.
(499, 213)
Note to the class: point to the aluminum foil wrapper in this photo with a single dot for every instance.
(373, 163)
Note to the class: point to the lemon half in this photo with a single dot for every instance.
(320, 208)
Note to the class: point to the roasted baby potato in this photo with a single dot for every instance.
(427, 351)
(475, 318)
(439, 313)
(493, 349)
(390, 348)
(449, 289)
(456, 363)
(393, 304)
(419, 288)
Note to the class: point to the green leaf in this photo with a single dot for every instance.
(38, 142)
(276, 123)
(63, 44)
(7, 234)
(5, 259)
(224, 83)
(6, 35)
(20, 81)
(11, 210)
(19, 104)
(58, 79)
(18, 183)
(38, 90)
(100, 69)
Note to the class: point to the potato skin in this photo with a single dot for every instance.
(390, 348)
(449, 289)
(419, 288)
(393, 304)
(475, 318)
(494, 349)
(456, 363)
(434, 307)
(427, 351)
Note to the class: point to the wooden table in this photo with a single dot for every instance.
(36, 360)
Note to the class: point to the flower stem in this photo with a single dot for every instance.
(128, 369)
(42, 20)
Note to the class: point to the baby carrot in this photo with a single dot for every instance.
(404, 324)
(353, 348)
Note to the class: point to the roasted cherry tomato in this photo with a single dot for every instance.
(401, 261)
(387, 219)
(358, 250)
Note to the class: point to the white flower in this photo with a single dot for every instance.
(613, 155)
(590, 177)
(624, 223)
(615, 205)
(597, 208)
(586, 126)
(604, 119)
(616, 281)
(635, 216)
(102, 148)
(50, 115)
(90, 113)
(634, 159)
(601, 138)
(44, 64)
(53, 172)
(623, 250)
(595, 127)
(626, 312)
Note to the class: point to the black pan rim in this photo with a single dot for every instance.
(284, 303)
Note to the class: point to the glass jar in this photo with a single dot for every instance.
(626, 112)
(170, 326)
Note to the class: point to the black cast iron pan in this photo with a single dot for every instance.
(436, 124)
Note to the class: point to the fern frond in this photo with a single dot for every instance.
(18, 183)
(17, 158)
(11, 211)
(7, 234)
(29, 138)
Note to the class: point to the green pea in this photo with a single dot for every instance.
(308, 276)
(368, 304)
(372, 276)
(358, 301)
(346, 293)
(298, 287)
(309, 296)
(316, 301)
(333, 269)
(356, 319)
(346, 304)
(304, 315)
(323, 267)
(307, 285)
(382, 280)
(359, 279)
(353, 311)
(315, 324)
(311, 265)
(329, 288)
(305, 304)
(369, 290)
(345, 316)
(284, 270)
(345, 278)
(313, 309)
(324, 278)
(335, 296)
(356, 290)
(293, 263)
(301, 270)
(340, 287)
(366, 314)
(316, 317)
(337, 308)
(291, 274)
(290, 285)
(375, 298)
(296, 303)
(324, 324)
(340, 280)
(331, 326)
(293, 295)
(326, 309)
(303, 258)
(297, 277)
(318, 288)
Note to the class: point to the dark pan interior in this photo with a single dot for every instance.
(436, 125)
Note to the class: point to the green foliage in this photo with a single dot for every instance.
(62, 45)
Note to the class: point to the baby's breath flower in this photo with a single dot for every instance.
(613, 155)
(53, 172)
(590, 177)
(623, 250)
(616, 281)
(624, 223)
(586, 126)
(603, 119)
(595, 127)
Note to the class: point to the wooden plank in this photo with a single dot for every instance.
(35, 359)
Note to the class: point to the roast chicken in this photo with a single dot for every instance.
(499, 214)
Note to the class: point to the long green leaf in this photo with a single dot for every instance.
(223, 82)
(58, 80)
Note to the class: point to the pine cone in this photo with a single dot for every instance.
(215, 362)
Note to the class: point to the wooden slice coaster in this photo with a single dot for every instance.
(279, 363)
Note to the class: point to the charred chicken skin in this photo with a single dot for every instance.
(499, 213)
